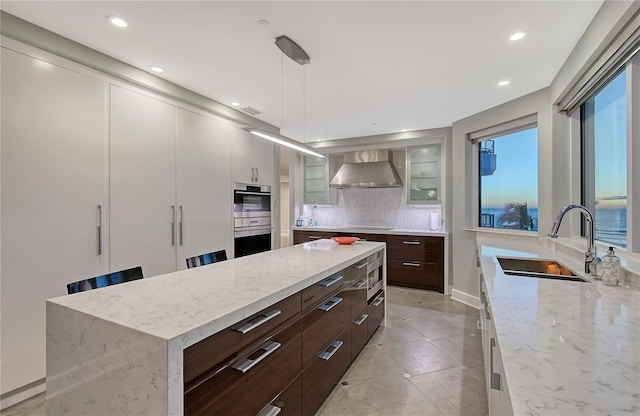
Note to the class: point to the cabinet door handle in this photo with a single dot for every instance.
(269, 410)
(330, 280)
(378, 301)
(173, 225)
(253, 175)
(248, 326)
(257, 175)
(495, 377)
(360, 320)
(247, 364)
(180, 225)
(483, 298)
(359, 283)
(99, 220)
(361, 265)
(330, 304)
(314, 237)
(328, 352)
(412, 264)
(412, 243)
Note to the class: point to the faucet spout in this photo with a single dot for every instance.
(591, 259)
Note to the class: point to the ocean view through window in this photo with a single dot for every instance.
(508, 181)
(604, 170)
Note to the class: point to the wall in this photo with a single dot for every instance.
(381, 207)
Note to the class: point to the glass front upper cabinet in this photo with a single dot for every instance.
(424, 173)
(316, 181)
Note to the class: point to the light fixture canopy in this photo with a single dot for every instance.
(284, 141)
(292, 50)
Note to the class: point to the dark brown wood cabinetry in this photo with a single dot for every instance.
(412, 261)
(288, 356)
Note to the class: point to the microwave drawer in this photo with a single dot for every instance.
(224, 346)
(261, 374)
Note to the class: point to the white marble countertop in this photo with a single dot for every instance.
(374, 230)
(568, 348)
(193, 304)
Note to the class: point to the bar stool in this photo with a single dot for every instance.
(208, 258)
(105, 280)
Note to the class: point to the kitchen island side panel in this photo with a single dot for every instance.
(96, 367)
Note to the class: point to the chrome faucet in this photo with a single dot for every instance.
(590, 257)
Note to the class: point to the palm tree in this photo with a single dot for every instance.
(516, 216)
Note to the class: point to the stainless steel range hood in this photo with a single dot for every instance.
(367, 169)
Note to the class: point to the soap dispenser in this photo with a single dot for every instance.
(610, 268)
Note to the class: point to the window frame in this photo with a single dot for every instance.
(586, 186)
(503, 129)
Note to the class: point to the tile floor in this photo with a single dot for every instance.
(426, 361)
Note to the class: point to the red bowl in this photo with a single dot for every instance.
(345, 240)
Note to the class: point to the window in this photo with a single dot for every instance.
(508, 175)
(604, 157)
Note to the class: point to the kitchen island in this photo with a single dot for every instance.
(556, 347)
(121, 349)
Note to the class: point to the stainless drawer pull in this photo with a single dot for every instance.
(247, 363)
(361, 265)
(330, 304)
(359, 283)
(412, 264)
(99, 227)
(482, 298)
(330, 280)
(495, 377)
(314, 237)
(412, 243)
(326, 354)
(253, 325)
(361, 319)
(378, 301)
(269, 410)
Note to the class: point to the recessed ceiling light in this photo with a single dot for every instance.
(263, 22)
(118, 21)
(518, 35)
(403, 130)
(235, 104)
(157, 69)
(504, 83)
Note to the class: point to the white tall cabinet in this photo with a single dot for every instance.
(143, 212)
(53, 174)
(204, 188)
(252, 158)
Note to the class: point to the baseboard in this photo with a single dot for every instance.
(21, 394)
(465, 298)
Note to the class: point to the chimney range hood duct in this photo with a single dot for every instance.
(367, 169)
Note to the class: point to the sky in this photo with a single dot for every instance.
(516, 176)
(611, 139)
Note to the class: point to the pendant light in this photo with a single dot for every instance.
(298, 55)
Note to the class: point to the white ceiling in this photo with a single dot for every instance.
(376, 66)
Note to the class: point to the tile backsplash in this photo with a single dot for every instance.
(381, 207)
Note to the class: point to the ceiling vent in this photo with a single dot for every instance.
(251, 111)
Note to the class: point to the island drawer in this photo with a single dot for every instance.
(358, 295)
(313, 295)
(289, 401)
(319, 378)
(359, 333)
(324, 323)
(260, 375)
(224, 346)
(375, 310)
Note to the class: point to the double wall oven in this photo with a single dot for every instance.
(252, 219)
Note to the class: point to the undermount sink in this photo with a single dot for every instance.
(541, 268)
